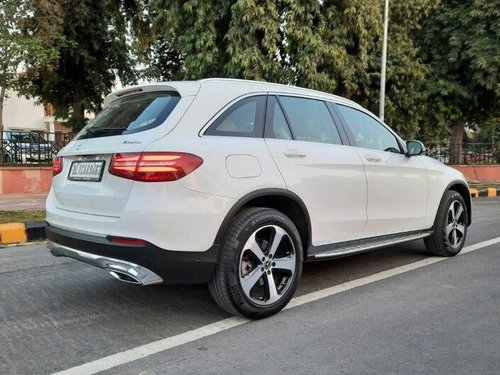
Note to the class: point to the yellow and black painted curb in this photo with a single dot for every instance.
(486, 192)
(15, 233)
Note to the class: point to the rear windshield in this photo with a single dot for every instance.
(132, 114)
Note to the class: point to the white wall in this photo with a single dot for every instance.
(22, 113)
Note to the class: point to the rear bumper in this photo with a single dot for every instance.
(167, 214)
(144, 265)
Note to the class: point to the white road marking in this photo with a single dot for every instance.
(154, 347)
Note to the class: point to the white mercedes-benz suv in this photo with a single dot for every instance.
(237, 183)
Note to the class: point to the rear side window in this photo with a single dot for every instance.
(277, 126)
(310, 120)
(132, 114)
(243, 119)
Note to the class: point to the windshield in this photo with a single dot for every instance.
(132, 114)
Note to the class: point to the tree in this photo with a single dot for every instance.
(305, 48)
(229, 38)
(255, 42)
(29, 30)
(262, 40)
(153, 48)
(460, 41)
(96, 53)
(195, 31)
(158, 59)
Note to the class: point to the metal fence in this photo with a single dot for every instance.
(25, 147)
(467, 153)
(29, 147)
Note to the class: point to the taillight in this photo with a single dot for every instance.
(154, 166)
(57, 166)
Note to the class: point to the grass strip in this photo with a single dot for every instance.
(21, 216)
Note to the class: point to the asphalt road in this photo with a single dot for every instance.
(444, 318)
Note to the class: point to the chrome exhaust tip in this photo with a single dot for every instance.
(124, 277)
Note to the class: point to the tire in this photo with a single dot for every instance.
(450, 226)
(247, 268)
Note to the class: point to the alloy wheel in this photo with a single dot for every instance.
(455, 224)
(268, 264)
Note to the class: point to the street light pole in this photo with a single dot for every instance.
(384, 61)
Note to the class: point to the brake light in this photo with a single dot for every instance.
(154, 166)
(57, 166)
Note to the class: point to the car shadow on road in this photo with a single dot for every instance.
(92, 291)
(319, 275)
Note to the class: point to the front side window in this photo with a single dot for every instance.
(309, 120)
(132, 114)
(243, 119)
(368, 132)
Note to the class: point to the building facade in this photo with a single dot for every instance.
(21, 113)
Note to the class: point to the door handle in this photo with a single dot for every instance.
(372, 157)
(294, 154)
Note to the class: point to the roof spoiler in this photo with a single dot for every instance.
(183, 88)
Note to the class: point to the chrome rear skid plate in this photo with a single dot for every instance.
(120, 269)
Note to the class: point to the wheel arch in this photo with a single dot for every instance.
(462, 188)
(282, 200)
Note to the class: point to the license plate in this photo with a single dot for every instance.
(86, 171)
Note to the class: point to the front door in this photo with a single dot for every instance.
(397, 184)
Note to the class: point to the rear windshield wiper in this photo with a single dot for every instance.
(93, 132)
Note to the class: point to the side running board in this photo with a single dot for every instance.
(358, 246)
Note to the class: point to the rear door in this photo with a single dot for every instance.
(327, 175)
(397, 184)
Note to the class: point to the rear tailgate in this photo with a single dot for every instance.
(85, 184)
(104, 195)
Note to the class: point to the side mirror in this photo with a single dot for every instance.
(415, 148)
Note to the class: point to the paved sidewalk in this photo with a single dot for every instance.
(18, 202)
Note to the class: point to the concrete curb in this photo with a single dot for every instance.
(19, 233)
(489, 192)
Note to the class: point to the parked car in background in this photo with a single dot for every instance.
(236, 183)
(21, 146)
